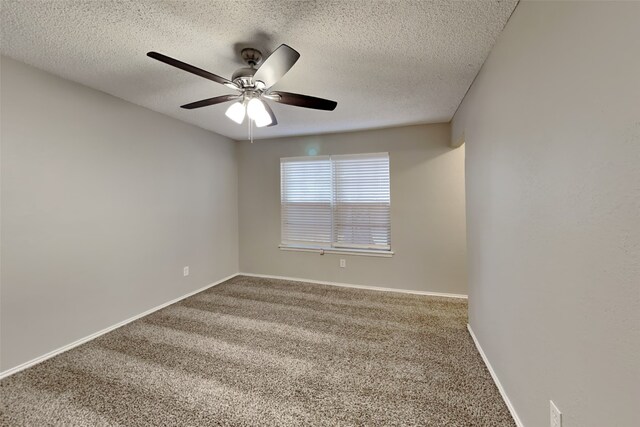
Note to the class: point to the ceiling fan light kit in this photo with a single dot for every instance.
(258, 113)
(254, 86)
(236, 112)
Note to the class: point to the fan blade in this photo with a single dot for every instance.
(270, 111)
(210, 101)
(191, 69)
(276, 65)
(305, 101)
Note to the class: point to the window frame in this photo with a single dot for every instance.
(333, 246)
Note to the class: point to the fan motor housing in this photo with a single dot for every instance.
(245, 75)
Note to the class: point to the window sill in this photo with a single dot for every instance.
(339, 251)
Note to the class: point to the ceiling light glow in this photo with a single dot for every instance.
(258, 113)
(263, 120)
(255, 108)
(236, 112)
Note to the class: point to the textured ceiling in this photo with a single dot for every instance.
(386, 63)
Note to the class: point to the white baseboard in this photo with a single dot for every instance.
(347, 285)
(76, 343)
(62, 349)
(512, 410)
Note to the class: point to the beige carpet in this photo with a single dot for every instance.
(268, 352)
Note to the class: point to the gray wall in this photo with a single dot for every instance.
(427, 210)
(552, 127)
(103, 203)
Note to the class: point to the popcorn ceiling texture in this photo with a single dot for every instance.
(255, 351)
(387, 63)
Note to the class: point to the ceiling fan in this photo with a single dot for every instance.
(253, 84)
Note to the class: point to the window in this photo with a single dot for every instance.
(336, 202)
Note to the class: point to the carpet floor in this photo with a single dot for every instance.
(263, 352)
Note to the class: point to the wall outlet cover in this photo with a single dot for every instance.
(185, 271)
(555, 415)
(343, 263)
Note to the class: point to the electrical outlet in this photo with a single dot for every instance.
(185, 271)
(555, 415)
(343, 263)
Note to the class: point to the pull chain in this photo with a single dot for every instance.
(250, 124)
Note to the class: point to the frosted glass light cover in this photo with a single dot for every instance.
(255, 108)
(236, 112)
(263, 119)
(258, 113)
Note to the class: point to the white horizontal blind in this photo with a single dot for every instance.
(306, 198)
(338, 201)
(361, 201)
